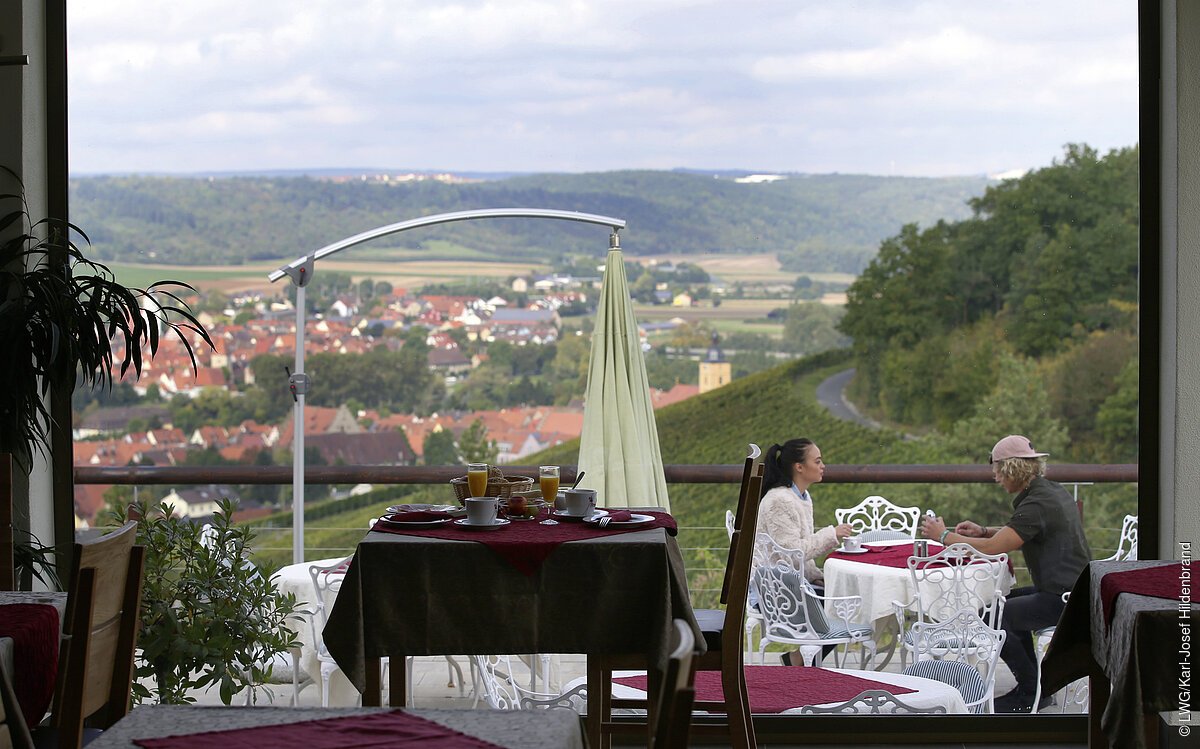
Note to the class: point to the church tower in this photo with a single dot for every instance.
(714, 370)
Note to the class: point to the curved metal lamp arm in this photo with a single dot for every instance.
(445, 218)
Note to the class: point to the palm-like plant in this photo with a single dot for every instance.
(66, 321)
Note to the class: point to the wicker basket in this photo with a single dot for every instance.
(497, 486)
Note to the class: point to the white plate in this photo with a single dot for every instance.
(635, 520)
(414, 523)
(597, 513)
(417, 506)
(500, 523)
(852, 551)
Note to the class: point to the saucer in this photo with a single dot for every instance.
(453, 510)
(840, 550)
(499, 523)
(564, 515)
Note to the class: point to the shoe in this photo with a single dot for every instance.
(786, 658)
(1021, 701)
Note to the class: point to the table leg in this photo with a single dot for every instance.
(372, 695)
(1098, 688)
(398, 681)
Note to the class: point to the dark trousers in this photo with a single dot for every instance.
(1027, 610)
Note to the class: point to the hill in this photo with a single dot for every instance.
(814, 223)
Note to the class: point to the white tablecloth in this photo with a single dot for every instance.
(879, 585)
(929, 694)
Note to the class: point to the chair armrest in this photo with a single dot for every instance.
(900, 610)
(844, 607)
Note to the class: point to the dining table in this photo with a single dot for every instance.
(192, 727)
(518, 587)
(1128, 627)
(30, 631)
(879, 574)
(787, 690)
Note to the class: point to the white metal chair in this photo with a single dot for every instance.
(877, 514)
(794, 614)
(1075, 693)
(872, 702)
(506, 685)
(957, 578)
(753, 616)
(961, 651)
(327, 581)
(1127, 544)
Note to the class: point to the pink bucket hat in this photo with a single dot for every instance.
(1014, 446)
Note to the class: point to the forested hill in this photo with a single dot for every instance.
(813, 222)
(1022, 317)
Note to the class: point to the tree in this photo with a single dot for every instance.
(440, 450)
(810, 328)
(474, 445)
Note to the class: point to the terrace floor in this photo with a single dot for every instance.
(431, 690)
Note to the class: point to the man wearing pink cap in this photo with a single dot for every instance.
(1045, 526)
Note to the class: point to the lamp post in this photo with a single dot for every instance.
(301, 270)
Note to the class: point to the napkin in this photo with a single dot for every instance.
(417, 516)
(619, 516)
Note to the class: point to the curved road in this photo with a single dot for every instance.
(831, 394)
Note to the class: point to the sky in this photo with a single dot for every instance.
(888, 87)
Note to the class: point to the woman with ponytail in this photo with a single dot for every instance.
(786, 513)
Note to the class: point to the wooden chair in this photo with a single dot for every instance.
(674, 715)
(722, 632)
(99, 635)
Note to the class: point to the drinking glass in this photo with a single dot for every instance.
(477, 478)
(548, 479)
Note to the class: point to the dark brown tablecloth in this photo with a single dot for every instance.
(1138, 651)
(514, 729)
(406, 595)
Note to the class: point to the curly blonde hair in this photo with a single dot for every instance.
(1020, 470)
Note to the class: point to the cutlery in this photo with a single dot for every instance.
(578, 479)
(605, 520)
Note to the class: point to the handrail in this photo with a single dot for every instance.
(675, 474)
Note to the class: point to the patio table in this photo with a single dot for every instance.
(612, 593)
(526, 729)
(879, 585)
(29, 639)
(1127, 639)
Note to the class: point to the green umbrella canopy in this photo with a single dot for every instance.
(619, 445)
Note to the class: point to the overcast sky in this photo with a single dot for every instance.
(886, 87)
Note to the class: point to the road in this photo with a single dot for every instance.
(831, 394)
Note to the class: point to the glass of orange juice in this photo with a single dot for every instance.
(477, 478)
(548, 480)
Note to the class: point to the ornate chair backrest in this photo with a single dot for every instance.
(877, 514)
(871, 702)
(327, 581)
(505, 686)
(959, 578)
(752, 466)
(1127, 545)
(962, 651)
(783, 599)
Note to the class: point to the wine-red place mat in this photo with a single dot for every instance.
(379, 730)
(1162, 581)
(892, 555)
(773, 689)
(525, 544)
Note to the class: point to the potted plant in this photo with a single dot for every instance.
(209, 615)
(66, 321)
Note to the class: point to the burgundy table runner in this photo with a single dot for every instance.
(525, 544)
(892, 555)
(392, 729)
(34, 630)
(773, 689)
(1158, 582)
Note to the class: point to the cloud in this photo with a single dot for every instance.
(564, 85)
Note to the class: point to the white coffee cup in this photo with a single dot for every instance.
(851, 543)
(580, 502)
(481, 510)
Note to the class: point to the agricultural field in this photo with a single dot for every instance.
(755, 269)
